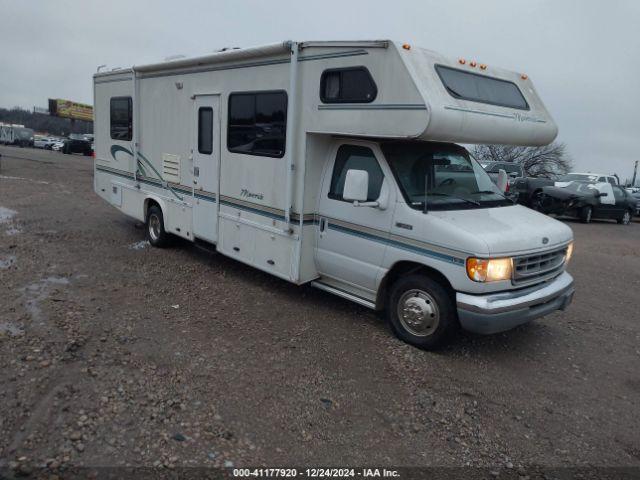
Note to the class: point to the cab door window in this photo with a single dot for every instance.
(618, 194)
(355, 157)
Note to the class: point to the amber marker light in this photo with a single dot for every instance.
(569, 253)
(473, 64)
(483, 66)
(406, 46)
(462, 61)
(489, 269)
(524, 76)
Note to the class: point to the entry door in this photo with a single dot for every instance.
(206, 167)
(351, 240)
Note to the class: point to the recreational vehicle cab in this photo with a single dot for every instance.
(337, 164)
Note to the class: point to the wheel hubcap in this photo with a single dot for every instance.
(627, 218)
(154, 226)
(588, 215)
(418, 313)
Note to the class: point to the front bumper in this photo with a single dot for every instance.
(497, 312)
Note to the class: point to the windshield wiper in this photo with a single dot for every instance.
(468, 200)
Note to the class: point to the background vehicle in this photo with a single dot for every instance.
(527, 190)
(16, 135)
(514, 170)
(76, 145)
(44, 142)
(57, 145)
(635, 193)
(586, 177)
(587, 201)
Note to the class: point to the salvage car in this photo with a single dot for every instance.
(77, 145)
(587, 201)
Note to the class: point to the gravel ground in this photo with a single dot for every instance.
(115, 353)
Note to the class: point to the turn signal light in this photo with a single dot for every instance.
(489, 269)
(569, 253)
(406, 46)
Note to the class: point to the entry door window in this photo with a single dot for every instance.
(205, 130)
(355, 157)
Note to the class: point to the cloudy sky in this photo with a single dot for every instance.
(583, 55)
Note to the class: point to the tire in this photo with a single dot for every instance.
(421, 312)
(536, 201)
(626, 218)
(156, 234)
(586, 213)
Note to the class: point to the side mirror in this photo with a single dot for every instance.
(503, 180)
(356, 186)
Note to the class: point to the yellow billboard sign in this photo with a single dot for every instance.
(68, 109)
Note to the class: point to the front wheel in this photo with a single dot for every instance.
(626, 218)
(156, 234)
(421, 312)
(585, 214)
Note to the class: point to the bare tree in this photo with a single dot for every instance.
(546, 161)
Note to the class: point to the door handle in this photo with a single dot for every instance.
(323, 224)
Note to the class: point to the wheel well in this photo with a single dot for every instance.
(404, 268)
(148, 202)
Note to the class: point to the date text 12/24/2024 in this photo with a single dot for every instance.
(315, 473)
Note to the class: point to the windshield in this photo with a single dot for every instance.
(580, 177)
(442, 175)
(581, 187)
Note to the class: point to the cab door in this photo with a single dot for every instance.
(206, 166)
(351, 240)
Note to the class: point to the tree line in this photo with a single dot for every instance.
(44, 123)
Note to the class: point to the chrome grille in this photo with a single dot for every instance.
(540, 266)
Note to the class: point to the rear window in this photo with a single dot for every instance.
(482, 89)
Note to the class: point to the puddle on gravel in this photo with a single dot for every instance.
(139, 245)
(39, 291)
(6, 262)
(41, 182)
(6, 214)
(8, 328)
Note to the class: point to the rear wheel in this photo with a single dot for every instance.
(421, 312)
(626, 218)
(156, 234)
(586, 213)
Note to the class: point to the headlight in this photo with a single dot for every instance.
(569, 253)
(489, 269)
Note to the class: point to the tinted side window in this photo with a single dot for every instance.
(121, 118)
(618, 194)
(257, 123)
(480, 88)
(347, 85)
(357, 158)
(611, 180)
(205, 130)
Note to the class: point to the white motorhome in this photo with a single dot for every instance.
(334, 163)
